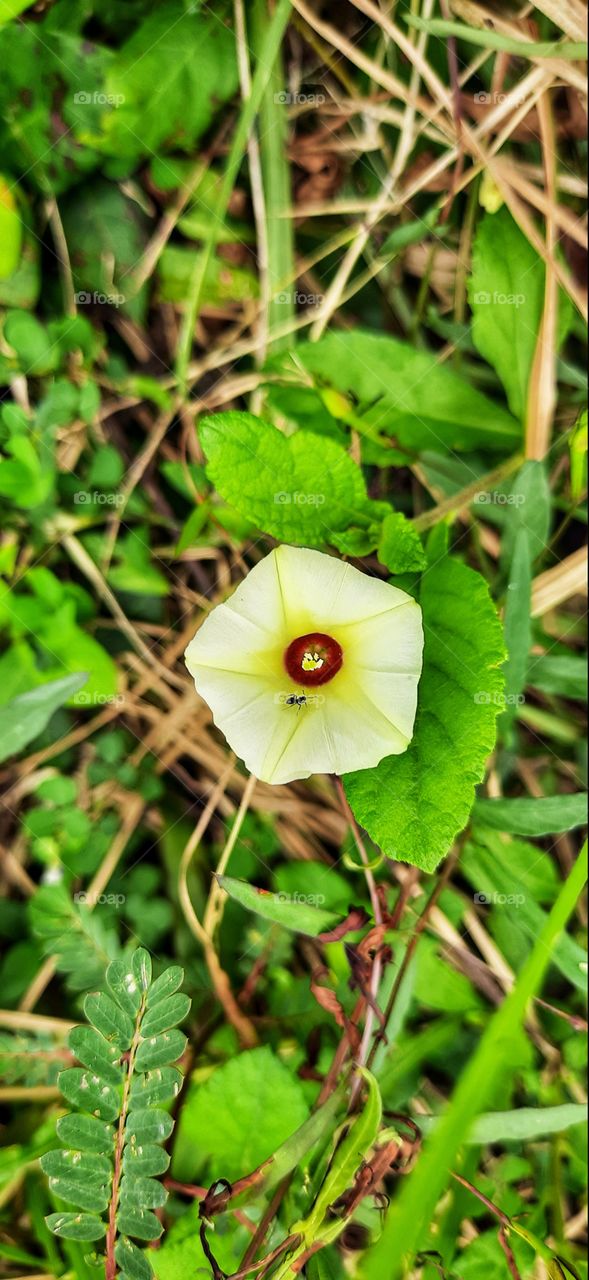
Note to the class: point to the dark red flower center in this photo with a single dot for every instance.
(313, 659)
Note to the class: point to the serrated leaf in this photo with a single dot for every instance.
(84, 1194)
(164, 986)
(86, 1090)
(159, 1050)
(94, 1168)
(155, 1086)
(141, 1193)
(506, 294)
(301, 917)
(131, 1261)
(400, 546)
(148, 1159)
(141, 963)
(90, 1048)
(124, 987)
(148, 1125)
(86, 1133)
(298, 488)
(116, 1026)
(76, 1226)
(140, 1223)
(414, 805)
(165, 1015)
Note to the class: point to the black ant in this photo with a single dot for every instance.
(296, 700)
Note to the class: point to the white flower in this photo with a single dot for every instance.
(310, 667)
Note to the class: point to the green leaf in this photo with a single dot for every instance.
(92, 1168)
(531, 816)
(76, 1226)
(149, 1124)
(132, 1262)
(359, 1139)
(170, 77)
(35, 351)
(123, 985)
(561, 673)
(10, 228)
(165, 985)
(238, 1117)
(165, 1015)
(140, 1223)
(142, 968)
(408, 394)
(155, 1086)
(159, 1050)
(116, 1027)
(84, 1193)
(138, 1192)
(413, 805)
(517, 625)
(85, 1090)
(86, 1133)
(106, 234)
(528, 507)
(506, 293)
(147, 1159)
(298, 488)
(298, 915)
(92, 1050)
(400, 546)
(526, 1124)
(26, 716)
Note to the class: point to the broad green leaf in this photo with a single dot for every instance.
(490, 1064)
(506, 293)
(171, 76)
(413, 805)
(140, 1223)
(149, 1124)
(298, 488)
(238, 1117)
(132, 1262)
(25, 717)
(405, 393)
(85, 1090)
(156, 1086)
(116, 1026)
(280, 908)
(531, 816)
(165, 1015)
(400, 546)
(35, 351)
(165, 985)
(76, 1226)
(94, 1052)
(159, 1050)
(148, 1159)
(86, 1133)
